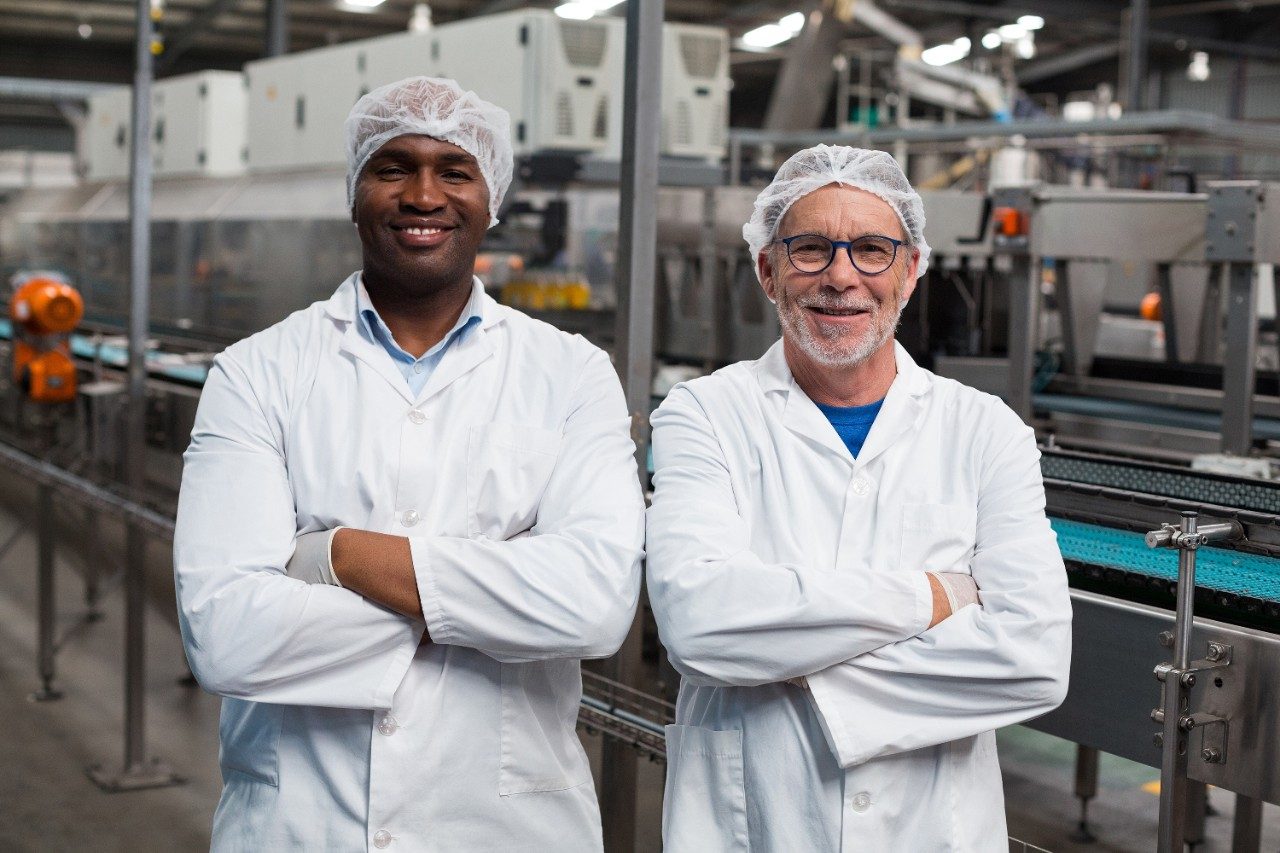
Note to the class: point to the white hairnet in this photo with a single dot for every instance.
(439, 108)
(816, 167)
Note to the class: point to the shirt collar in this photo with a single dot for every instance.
(374, 329)
(774, 374)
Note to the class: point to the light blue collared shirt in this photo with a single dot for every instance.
(416, 371)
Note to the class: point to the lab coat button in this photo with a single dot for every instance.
(410, 518)
(388, 725)
(861, 801)
(418, 367)
(381, 839)
(861, 486)
(417, 417)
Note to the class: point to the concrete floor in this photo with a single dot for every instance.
(48, 803)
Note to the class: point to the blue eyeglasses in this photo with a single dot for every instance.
(813, 253)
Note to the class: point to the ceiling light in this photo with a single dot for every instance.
(991, 40)
(359, 5)
(420, 20)
(1025, 47)
(1198, 70)
(766, 36)
(945, 54)
(793, 23)
(1011, 32)
(576, 11)
(85, 30)
(1031, 22)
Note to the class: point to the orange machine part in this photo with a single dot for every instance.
(45, 377)
(46, 306)
(1151, 308)
(1009, 221)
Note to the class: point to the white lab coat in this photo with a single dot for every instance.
(340, 732)
(774, 554)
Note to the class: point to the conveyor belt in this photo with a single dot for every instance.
(1146, 413)
(1231, 585)
(1165, 480)
(160, 364)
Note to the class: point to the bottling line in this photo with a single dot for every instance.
(1034, 294)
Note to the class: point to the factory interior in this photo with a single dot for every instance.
(1101, 186)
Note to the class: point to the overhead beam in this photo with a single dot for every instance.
(1052, 66)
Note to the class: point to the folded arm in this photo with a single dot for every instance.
(250, 631)
(566, 589)
(728, 617)
(986, 667)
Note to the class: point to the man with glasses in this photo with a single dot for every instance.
(849, 559)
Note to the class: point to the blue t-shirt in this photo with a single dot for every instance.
(852, 423)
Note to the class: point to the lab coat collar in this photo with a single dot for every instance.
(460, 359)
(800, 414)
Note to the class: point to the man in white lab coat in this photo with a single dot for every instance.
(824, 522)
(406, 514)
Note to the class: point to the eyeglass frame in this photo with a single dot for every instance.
(847, 245)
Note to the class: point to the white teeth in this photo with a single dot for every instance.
(423, 231)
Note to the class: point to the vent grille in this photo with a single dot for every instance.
(683, 132)
(701, 54)
(564, 115)
(583, 43)
(600, 128)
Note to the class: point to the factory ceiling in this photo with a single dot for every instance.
(93, 39)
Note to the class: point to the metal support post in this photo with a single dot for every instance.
(1168, 311)
(1197, 812)
(138, 771)
(637, 256)
(1012, 258)
(47, 620)
(277, 27)
(1246, 830)
(708, 279)
(1178, 677)
(1231, 237)
(1086, 790)
(1136, 74)
(1239, 360)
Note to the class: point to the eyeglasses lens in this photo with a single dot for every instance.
(813, 253)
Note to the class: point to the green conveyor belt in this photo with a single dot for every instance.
(1245, 575)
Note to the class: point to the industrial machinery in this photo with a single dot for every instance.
(44, 309)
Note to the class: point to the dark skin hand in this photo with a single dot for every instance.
(421, 208)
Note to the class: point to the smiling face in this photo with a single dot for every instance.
(838, 317)
(421, 208)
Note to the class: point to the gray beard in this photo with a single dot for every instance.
(834, 348)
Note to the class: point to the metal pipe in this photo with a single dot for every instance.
(1136, 73)
(1246, 826)
(135, 419)
(637, 257)
(1240, 359)
(277, 27)
(46, 607)
(1086, 789)
(1173, 761)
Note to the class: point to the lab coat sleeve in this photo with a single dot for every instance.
(569, 588)
(727, 617)
(983, 667)
(250, 631)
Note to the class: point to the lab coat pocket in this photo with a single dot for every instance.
(540, 746)
(250, 735)
(508, 467)
(937, 537)
(704, 807)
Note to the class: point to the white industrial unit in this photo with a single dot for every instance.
(558, 78)
(298, 102)
(106, 149)
(695, 91)
(197, 127)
